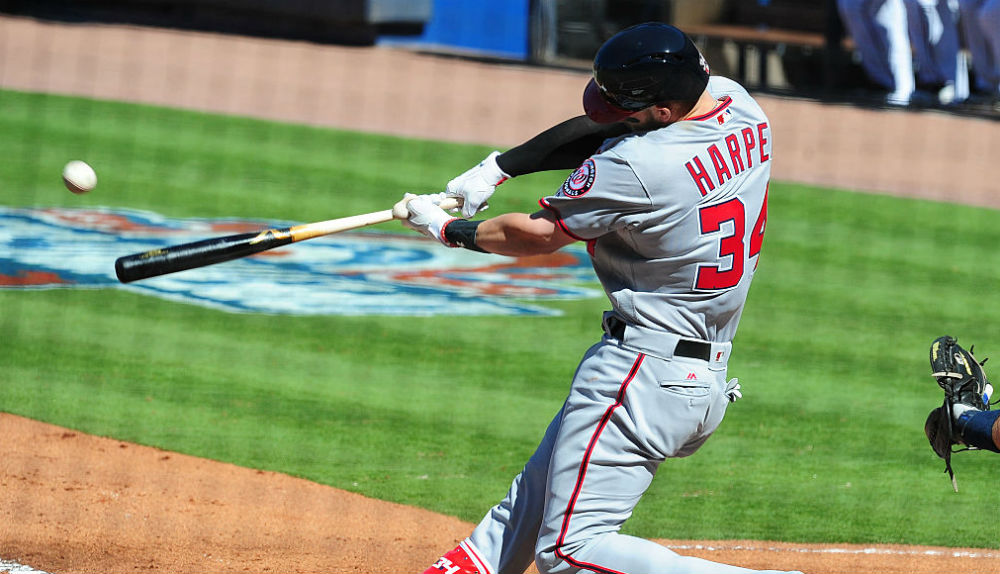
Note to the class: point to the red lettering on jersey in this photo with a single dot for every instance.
(733, 144)
(762, 141)
(749, 142)
(721, 169)
(700, 175)
(740, 147)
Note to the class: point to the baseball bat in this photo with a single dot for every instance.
(206, 252)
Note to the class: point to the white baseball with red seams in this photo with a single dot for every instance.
(79, 177)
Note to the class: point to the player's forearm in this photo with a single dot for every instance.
(564, 146)
(521, 234)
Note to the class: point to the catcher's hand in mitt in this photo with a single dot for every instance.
(962, 378)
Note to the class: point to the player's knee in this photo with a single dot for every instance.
(554, 560)
(547, 562)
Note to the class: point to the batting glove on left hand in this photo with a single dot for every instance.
(424, 215)
(476, 185)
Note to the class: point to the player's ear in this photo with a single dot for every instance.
(663, 114)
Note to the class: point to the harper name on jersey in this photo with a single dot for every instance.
(742, 149)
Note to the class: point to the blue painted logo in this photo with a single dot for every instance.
(365, 272)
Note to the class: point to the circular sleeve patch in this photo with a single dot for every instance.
(581, 180)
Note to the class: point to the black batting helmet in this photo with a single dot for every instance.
(640, 66)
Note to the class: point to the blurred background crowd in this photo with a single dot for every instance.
(938, 54)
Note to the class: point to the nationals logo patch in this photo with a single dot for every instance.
(367, 272)
(581, 180)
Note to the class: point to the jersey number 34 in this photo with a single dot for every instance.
(732, 246)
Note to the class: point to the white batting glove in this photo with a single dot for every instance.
(733, 391)
(424, 215)
(476, 185)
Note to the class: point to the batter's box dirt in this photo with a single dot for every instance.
(71, 502)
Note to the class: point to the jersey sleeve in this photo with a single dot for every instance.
(598, 198)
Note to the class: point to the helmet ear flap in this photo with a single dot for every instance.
(598, 108)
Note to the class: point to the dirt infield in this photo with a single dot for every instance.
(70, 502)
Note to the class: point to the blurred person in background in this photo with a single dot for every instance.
(980, 21)
(879, 30)
(941, 73)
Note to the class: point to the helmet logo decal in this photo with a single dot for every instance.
(581, 180)
(704, 63)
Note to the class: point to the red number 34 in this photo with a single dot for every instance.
(731, 246)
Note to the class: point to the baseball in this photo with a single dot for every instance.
(79, 177)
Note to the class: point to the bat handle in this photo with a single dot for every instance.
(400, 211)
(450, 203)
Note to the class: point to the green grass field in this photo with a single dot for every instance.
(826, 446)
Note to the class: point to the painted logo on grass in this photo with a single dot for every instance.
(365, 272)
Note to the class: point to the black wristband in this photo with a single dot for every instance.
(462, 233)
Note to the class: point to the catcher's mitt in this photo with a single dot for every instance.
(962, 378)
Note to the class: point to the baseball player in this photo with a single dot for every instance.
(879, 30)
(980, 21)
(670, 195)
(965, 417)
(933, 31)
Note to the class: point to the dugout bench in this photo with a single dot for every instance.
(806, 36)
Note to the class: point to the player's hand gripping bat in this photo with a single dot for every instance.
(219, 249)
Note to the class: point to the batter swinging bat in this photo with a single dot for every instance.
(219, 249)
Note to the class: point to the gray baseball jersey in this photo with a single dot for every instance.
(674, 220)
